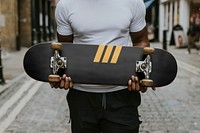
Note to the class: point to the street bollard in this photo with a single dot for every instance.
(165, 39)
(2, 81)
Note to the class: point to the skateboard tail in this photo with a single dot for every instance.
(34, 64)
(164, 68)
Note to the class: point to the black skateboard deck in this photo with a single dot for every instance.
(100, 64)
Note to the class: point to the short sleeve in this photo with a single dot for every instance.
(61, 16)
(138, 21)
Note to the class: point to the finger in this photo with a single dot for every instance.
(133, 83)
(66, 83)
(137, 85)
(132, 78)
(133, 86)
(62, 82)
(70, 83)
(129, 85)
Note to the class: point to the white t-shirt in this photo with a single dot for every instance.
(100, 22)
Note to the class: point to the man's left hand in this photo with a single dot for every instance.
(134, 85)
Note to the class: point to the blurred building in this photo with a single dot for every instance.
(152, 19)
(26, 22)
(176, 12)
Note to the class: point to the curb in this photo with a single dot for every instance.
(11, 83)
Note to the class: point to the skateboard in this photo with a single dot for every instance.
(100, 64)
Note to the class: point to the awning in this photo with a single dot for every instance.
(148, 3)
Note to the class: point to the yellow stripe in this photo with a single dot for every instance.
(116, 54)
(99, 53)
(107, 54)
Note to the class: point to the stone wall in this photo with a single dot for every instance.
(16, 23)
(9, 31)
(25, 23)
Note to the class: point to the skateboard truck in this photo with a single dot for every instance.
(57, 62)
(146, 68)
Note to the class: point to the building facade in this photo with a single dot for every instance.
(152, 11)
(173, 13)
(8, 23)
(26, 22)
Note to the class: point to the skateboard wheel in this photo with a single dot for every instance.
(54, 78)
(148, 50)
(146, 82)
(56, 46)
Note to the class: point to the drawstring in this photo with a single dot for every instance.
(104, 101)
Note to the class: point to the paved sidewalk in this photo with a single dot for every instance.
(171, 110)
(13, 64)
(13, 72)
(174, 108)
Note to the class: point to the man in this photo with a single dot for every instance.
(102, 108)
(193, 33)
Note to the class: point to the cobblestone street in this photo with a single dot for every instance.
(171, 109)
(47, 112)
(31, 105)
(174, 108)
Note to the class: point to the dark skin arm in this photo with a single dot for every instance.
(138, 39)
(65, 81)
(62, 38)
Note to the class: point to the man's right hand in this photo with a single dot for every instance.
(65, 83)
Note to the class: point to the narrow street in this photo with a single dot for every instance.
(171, 109)
(30, 106)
